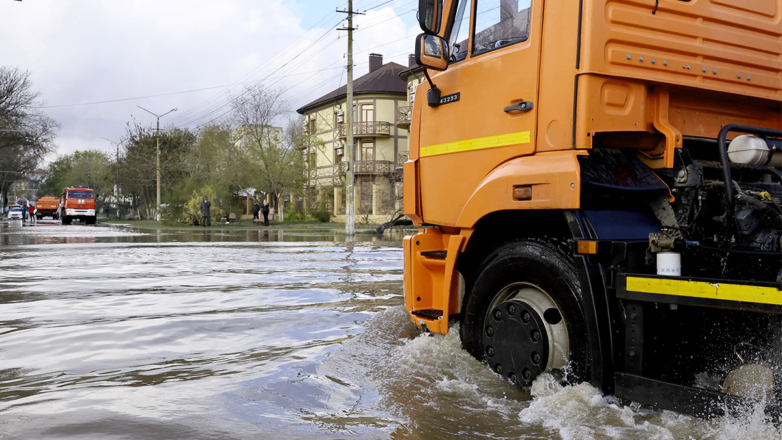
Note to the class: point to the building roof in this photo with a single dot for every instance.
(383, 80)
(406, 74)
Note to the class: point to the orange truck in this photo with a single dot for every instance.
(48, 207)
(77, 203)
(598, 188)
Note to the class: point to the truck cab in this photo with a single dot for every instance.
(598, 185)
(77, 203)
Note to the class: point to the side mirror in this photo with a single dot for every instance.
(431, 51)
(430, 14)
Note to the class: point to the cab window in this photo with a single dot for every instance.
(500, 23)
(80, 194)
(460, 33)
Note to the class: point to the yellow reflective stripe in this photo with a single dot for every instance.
(502, 140)
(701, 289)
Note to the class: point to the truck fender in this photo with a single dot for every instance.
(545, 181)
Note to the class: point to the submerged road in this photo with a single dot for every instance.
(112, 332)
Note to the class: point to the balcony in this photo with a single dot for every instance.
(367, 167)
(367, 129)
(401, 158)
(403, 117)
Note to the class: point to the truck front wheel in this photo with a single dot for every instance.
(524, 316)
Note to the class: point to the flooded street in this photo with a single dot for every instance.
(111, 333)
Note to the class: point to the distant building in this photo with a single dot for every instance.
(27, 187)
(412, 77)
(243, 137)
(380, 146)
(248, 133)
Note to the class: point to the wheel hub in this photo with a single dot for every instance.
(516, 343)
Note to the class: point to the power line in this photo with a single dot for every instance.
(212, 111)
(232, 100)
(162, 94)
(206, 113)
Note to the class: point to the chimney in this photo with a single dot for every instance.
(375, 62)
(411, 61)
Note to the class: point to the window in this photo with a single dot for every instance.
(459, 33)
(367, 113)
(80, 194)
(499, 23)
(367, 151)
(313, 126)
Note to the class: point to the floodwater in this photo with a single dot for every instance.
(114, 333)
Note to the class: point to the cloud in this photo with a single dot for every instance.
(103, 50)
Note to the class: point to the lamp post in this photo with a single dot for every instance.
(116, 175)
(157, 143)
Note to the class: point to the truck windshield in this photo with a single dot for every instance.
(80, 194)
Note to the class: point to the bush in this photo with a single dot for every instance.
(295, 216)
(191, 212)
(321, 216)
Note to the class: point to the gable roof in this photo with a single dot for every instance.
(383, 80)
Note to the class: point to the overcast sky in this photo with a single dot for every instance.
(85, 51)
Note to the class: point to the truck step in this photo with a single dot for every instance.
(429, 313)
(435, 255)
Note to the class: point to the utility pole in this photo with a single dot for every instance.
(350, 202)
(116, 175)
(157, 142)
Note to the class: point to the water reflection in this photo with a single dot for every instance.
(109, 332)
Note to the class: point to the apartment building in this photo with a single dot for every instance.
(380, 146)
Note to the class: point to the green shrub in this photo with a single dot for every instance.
(191, 211)
(321, 216)
(295, 217)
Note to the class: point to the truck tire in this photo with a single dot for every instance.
(524, 316)
(90, 220)
(66, 220)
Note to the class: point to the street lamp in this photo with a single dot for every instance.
(116, 174)
(157, 142)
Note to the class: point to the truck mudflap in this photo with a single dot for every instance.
(632, 384)
(725, 294)
(697, 402)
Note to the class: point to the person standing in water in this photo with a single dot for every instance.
(206, 212)
(265, 211)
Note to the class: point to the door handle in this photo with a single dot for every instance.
(523, 106)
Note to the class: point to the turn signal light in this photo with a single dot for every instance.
(586, 247)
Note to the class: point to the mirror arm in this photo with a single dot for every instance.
(433, 95)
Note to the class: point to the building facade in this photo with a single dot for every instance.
(380, 146)
(412, 78)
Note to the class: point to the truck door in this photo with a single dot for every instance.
(488, 103)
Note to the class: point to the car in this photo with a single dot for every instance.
(15, 212)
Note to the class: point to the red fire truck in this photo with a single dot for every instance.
(77, 203)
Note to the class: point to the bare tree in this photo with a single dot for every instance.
(26, 133)
(268, 155)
